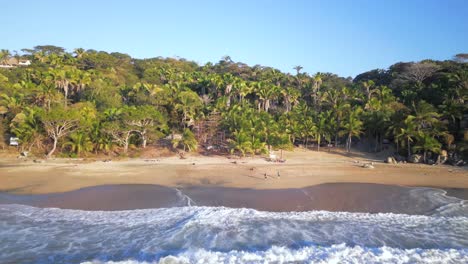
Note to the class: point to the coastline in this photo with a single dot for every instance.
(346, 197)
(303, 168)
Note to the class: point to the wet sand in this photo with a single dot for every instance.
(349, 197)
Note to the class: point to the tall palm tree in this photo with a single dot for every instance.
(298, 69)
(188, 102)
(352, 126)
(79, 52)
(317, 83)
(368, 91)
(265, 93)
(46, 95)
(407, 132)
(321, 127)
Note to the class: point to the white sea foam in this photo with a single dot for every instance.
(312, 254)
(444, 205)
(185, 199)
(227, 235)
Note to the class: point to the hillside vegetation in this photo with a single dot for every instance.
(86, 101)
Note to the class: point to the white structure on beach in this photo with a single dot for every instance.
(14, 141)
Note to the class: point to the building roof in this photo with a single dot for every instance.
(13, 61)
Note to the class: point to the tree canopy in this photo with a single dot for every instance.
(89, 101)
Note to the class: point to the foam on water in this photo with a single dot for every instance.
(334, 254)
(226, 235)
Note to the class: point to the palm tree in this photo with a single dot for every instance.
(241, 143)
(79, 142)
(4, 55)
(427, 143)
(265, 93)
(79, 52)
(100, 140)
(46, 95)
(112, 114)
(321, 127)
(367, 89)
(407, 132)
(188, 141)
(298, 69)
(188, 103)
(28, 128)
(317, 82)
(290, 96)
(352, 126)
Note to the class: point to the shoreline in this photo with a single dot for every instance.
(303, 168)
(347, 197)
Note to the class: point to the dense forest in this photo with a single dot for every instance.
(89, 102)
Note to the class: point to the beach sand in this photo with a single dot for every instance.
(302, 168)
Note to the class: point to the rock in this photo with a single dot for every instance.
(441, 159)
(38, 161)
(415, 158)
(24, 153)
(399, 158)
(391, 160)
(455, 159)
(431, 162)
(368, 166)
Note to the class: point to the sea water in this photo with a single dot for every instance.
(198, 234)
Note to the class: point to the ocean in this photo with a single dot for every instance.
(190, 233)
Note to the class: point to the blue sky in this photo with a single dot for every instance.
(343, 37)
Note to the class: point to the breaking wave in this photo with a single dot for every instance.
(227, 235)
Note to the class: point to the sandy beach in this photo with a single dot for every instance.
(302, 168)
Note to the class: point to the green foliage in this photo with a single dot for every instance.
(79, 142)
(96, 101)
(187, 142)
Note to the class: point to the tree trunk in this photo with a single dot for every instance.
(49, 155)
(144, 138)
(318, 143)
(126, 146)
(376, 143)
(409, 148)
(65, 91)
(349, 142)
(127, 137)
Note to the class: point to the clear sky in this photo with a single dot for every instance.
(343, 37)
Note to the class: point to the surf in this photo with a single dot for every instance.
(226, 235)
